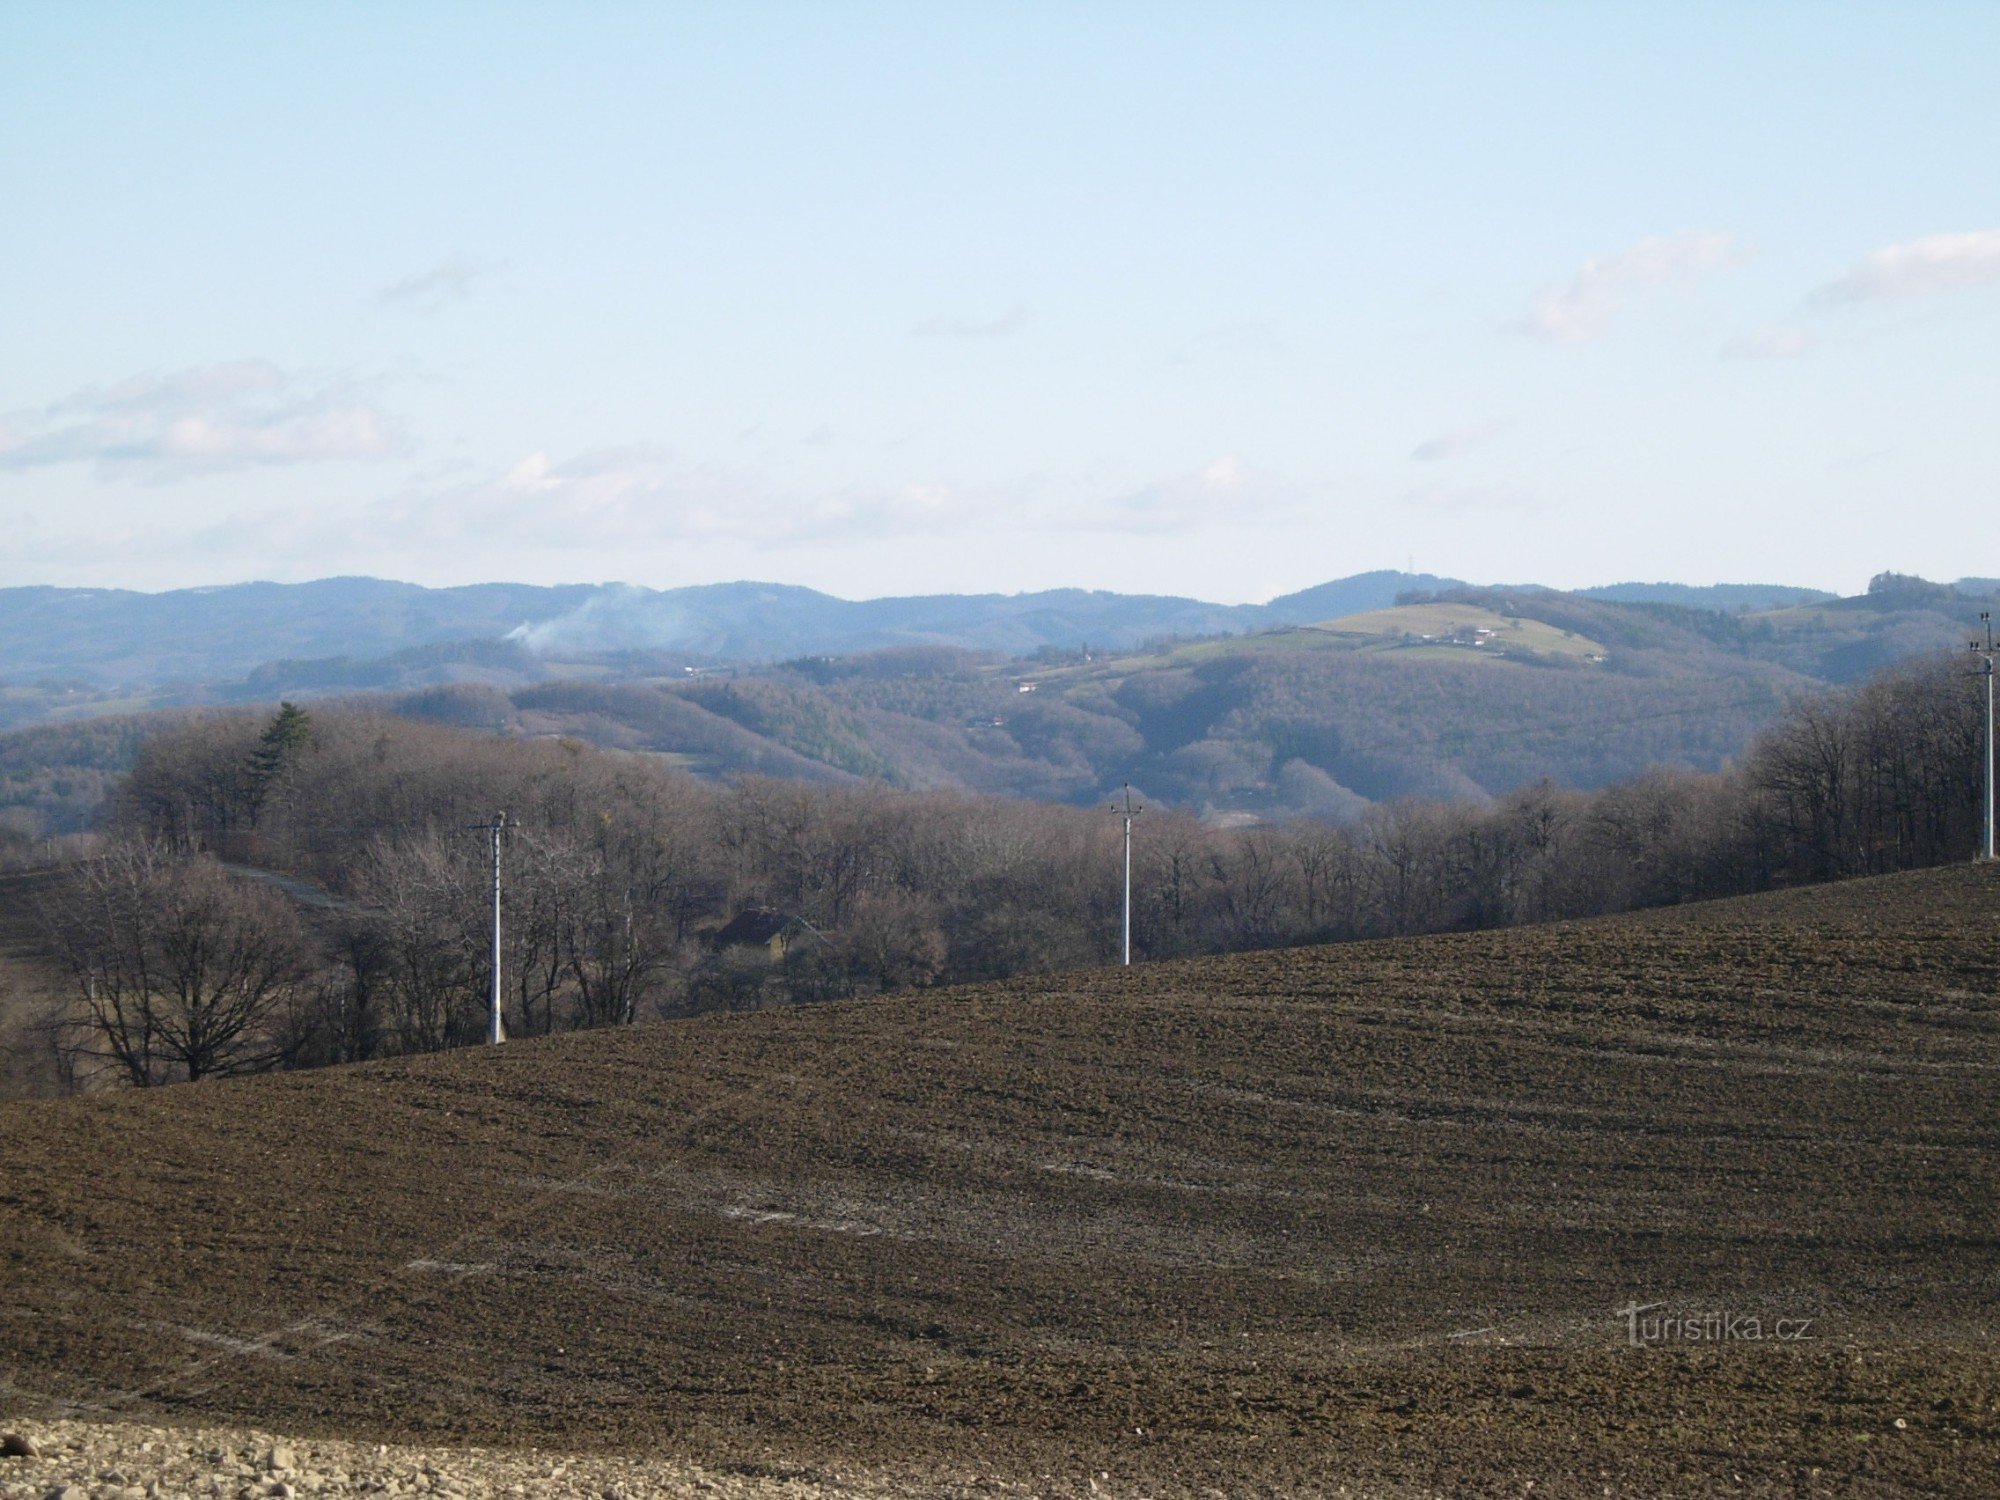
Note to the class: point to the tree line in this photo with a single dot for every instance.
(310, 889)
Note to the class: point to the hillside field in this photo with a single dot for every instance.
(1356, 1220)
(1508, 632)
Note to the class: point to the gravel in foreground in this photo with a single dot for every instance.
(117, 1461)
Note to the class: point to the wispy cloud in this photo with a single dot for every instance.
(1012, 320)
(615, 510)
(1458, 442)
(606, 498)
(238, 415)
(1224, 491)
(1582, 308)
(1915, 268)
(647, 497)
(450, 280)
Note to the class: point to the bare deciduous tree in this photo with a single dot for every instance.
(181, 970)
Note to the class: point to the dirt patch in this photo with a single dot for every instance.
(30, 983)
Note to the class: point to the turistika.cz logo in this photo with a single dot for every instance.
(1650, 1323)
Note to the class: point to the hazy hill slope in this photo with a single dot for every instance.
(54, 777)
(210, 634)
(197, 636)
(1322, 717)
(1403, 700)
(1347, 596)
(1729, 597)
(1300, 721)
(1356, 1216)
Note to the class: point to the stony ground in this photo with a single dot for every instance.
(1362, 1218)
(127, 1461)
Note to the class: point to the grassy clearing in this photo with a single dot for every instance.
(1390, 627)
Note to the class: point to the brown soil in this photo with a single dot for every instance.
(1358, 1216)
(30, 978)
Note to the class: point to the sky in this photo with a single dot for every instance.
(1220, 300)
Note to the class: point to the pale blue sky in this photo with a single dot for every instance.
(1210, 299)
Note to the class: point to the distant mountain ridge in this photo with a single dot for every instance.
(119, 637)
(1324, 703)
(116, 638)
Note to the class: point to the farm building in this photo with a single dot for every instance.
(760, 927)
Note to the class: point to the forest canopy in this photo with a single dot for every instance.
(625, 876)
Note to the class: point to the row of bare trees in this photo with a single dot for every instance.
(301, 891)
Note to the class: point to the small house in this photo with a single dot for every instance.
(760, 927)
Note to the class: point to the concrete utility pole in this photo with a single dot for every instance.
(496, 1028)
(1128, 812)
(1984, 651)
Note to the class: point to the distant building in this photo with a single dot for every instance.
(760, 927)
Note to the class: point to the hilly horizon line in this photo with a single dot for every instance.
(1596, 590)
(65, 651)
(214, 633)
(1234, 708)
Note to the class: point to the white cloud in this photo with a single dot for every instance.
(1778, 341)
(1937, 263)
(940, 327)
(641, 497)
(243, 414)
(616, 502)
(606, 498)
(450, 280)
(1458, 442)
(1582, 308)
(1224, 491)
(619, 510)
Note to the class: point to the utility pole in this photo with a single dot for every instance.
(496, 1028)
(1984, 651)
(1128, 812)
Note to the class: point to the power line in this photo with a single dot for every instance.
(496, 1027)
(1130, 812)
(1985, 654)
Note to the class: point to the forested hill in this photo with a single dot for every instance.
(1460, 699)
(1455, 693)
(1458, 694)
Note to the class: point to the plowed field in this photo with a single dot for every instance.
(1361, 1216)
